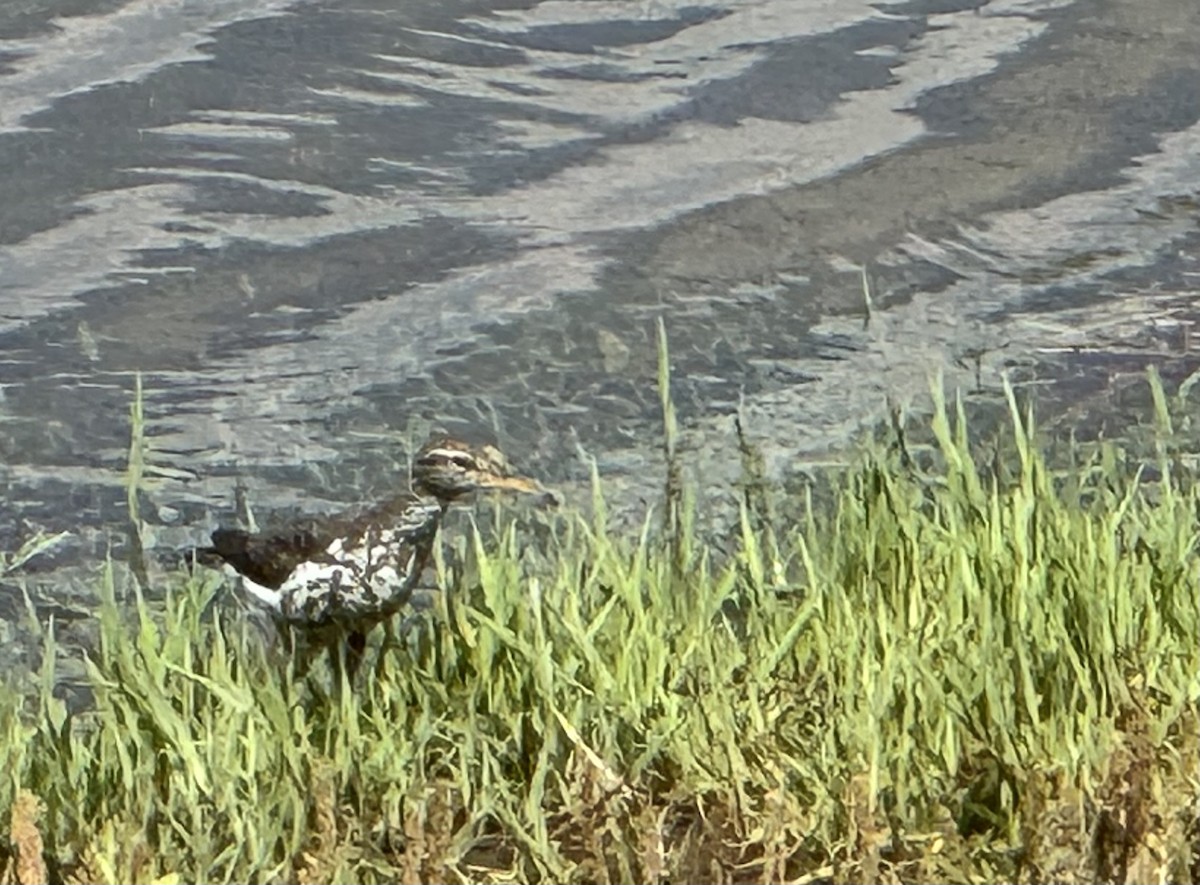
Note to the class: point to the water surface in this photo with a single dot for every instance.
(317, 228)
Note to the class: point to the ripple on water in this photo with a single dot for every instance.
(317, 233)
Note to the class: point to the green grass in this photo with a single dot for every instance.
(951, 672)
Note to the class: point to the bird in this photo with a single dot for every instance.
(341, 575)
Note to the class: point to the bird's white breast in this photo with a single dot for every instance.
(354, 581)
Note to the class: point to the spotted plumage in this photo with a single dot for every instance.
(344, 570)
(355, 570)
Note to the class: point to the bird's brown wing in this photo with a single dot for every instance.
(268, 557)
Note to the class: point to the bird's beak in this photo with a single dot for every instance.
(522, 484)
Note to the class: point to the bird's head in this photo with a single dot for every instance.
(449, 469)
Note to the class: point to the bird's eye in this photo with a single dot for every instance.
(463, 461)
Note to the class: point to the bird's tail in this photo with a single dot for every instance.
(227, 545)
(229, 542)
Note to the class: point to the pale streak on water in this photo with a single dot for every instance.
(135, 40)
(452, 211)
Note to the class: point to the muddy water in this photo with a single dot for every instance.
(317, 228)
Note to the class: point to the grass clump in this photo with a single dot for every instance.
(952, 673)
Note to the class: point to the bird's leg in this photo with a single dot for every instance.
(356, 647)
(393, 640)
(301, 651)
(389, 642)
(340, 664)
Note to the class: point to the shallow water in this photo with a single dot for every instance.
(317, 228)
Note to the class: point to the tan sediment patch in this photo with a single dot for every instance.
(28, 866)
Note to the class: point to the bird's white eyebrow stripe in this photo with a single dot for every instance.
(445, 453)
